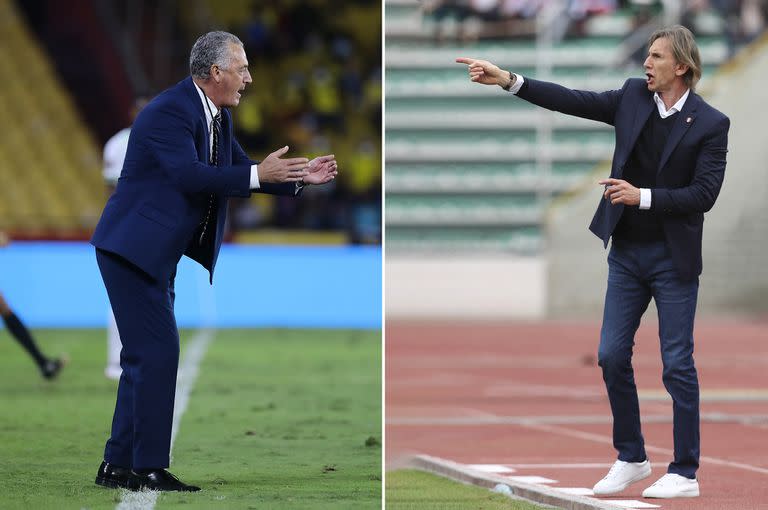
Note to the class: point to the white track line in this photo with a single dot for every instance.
(483, 418)
(185, 380)
(598, 438)
(545, 424)
(573, 465)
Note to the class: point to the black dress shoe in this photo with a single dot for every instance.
(115, 477)
(161, 480)
(51, 368)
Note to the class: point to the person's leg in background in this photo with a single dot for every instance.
(49, 367)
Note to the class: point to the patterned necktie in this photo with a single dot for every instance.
(216, 128)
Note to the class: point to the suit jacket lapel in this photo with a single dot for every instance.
(225, 155)
(197, 106)
(684, 119)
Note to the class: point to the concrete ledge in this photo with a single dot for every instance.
(471, 287)
(535, 493)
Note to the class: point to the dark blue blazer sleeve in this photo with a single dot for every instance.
(285, 188)
(699, 196)
(599, 106)
(170, 139)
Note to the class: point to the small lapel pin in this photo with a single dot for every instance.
(688, 120)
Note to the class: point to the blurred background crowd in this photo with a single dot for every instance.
(316, 68)
(743, 20)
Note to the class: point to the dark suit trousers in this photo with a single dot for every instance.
(638, 272)
(141, 426)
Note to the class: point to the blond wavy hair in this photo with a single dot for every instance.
(684, 50)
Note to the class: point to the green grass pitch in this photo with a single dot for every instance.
(276, 419)
(408, 489)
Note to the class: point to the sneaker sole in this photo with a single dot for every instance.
(623, 487)
(686, 494)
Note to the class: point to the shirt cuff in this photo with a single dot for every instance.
(645, 198)
(519, 80)
(255, 177)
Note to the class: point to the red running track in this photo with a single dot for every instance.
(530, 396)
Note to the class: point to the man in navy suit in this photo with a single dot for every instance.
(181, 165)
(667, 170)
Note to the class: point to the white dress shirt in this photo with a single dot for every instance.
(645, 193)
(211, 109)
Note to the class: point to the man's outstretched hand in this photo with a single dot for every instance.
(322, 169)
(482, 71)
(274, 169)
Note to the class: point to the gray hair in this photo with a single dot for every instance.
(211, 49)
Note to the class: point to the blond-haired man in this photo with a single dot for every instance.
(667, 170)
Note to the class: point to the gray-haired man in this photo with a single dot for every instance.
(181, 166)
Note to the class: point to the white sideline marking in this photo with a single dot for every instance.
(185, 379)
(491, 468)
(539, 423)
(630, 503)
(476, 418)
(531, 479)
(575, 465)
(576, 491)
(664, 451)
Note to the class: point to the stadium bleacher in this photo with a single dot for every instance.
(470, 170)
(323, 95)
(46, 149)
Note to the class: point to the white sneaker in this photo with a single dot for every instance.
(673, 486)
(621, 475)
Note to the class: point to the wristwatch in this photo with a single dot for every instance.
(512, 80)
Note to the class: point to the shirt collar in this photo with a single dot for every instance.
(675, 107)
(203, 99)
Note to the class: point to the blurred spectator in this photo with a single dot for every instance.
(743, 20)
(467, 20)
(49, 367)
(329, 60)
(114, 156)
(508, 18)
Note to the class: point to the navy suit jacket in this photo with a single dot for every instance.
(690, 172)
(164, 189)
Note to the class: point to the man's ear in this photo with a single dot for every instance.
(681, 69)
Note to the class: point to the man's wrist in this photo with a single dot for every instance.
(254, 177)
(511, 82)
